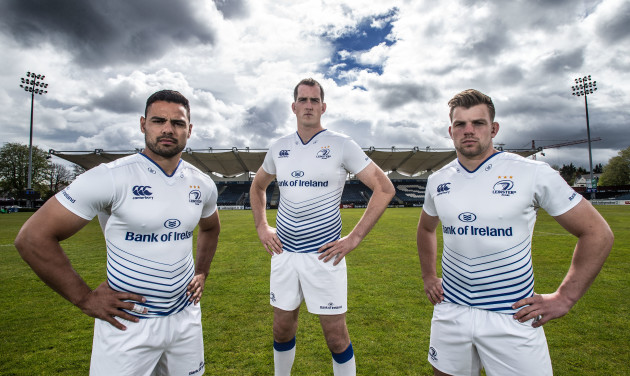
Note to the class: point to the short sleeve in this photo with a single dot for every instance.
(354, 158)
(89, 194)
(268, 164)
(210, 205)
(429, 205)
(552, 192)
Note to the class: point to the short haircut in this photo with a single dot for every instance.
(308, 82)
(469, 98)
(170, 96)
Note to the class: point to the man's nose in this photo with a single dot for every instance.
(168, 127)
(469, 128)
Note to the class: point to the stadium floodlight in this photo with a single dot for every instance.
(583, 87)
(29, 86)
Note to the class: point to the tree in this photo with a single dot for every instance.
(77, 170)
(598, 169)
(568, 173)
(14, 168)
(60, 177)
(617, 171)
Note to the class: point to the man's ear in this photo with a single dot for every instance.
(142, 123)
(495, 129)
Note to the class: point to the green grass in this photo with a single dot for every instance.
(389, 316)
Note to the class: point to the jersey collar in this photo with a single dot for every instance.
(481, 164)
(158, 166)
(309, 141)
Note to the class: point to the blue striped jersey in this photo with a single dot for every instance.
(148, 219)
(311, 177)
(487, 218)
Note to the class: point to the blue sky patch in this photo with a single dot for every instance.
(368, 33)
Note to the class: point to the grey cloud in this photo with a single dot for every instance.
(530, 104)
(392, 96)
(555, 124)
(510, 75)
(563, 61)
(100, 33)
(492, 42)
(232, 9)
(120, 100)
(617, 28)
(263, 122)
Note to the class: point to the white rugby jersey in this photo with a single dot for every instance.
(488, 218)
(148, 220)
(311, 178)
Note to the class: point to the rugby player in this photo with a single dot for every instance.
(147, 316)
(308, 256)
(486, 313)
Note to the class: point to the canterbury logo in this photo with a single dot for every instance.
(443, 188)
(141, 190)
(284, 154)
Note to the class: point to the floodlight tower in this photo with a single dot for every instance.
(34, 84)
(583, 87)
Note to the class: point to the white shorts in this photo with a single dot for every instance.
(465, 339)
(302, 276)
(171, 345)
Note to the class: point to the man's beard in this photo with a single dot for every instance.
(163, 151)
(478, 150)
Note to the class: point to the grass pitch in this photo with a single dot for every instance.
(389, 316)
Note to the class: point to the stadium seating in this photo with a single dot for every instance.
(233, 193)
(409, 192)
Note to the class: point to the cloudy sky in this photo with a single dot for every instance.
(388, 69)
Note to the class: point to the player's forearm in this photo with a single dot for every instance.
(258, 199)
(52, 266)
(427, 252)
(589, 256)
(376, 207)
(207, 242)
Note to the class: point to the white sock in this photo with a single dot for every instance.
(283, 356)
(344, 363)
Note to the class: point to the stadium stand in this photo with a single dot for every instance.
(233, 193)
(237, 193)
(617, 192)
(355, 193)
(410, 192)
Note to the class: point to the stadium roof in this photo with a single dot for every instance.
(234, 162)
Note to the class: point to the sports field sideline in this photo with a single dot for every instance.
(388, 318)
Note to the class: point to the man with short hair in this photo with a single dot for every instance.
(148, 320)
(486, 313)
(308, 256)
